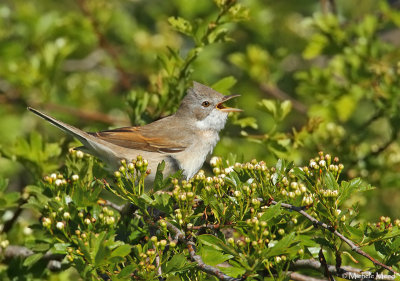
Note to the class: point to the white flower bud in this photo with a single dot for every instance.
(60, 225)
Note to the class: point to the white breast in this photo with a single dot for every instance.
(192, 159)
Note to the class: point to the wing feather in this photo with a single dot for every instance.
(155, 137)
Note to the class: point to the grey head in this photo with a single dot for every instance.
(205, 105)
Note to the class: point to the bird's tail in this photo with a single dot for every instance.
(93, 145)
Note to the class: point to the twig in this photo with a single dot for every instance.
(180, 236)
(158, 263)
(316, 222)
(300, 277)
(119, 208)
(9, 224)
(86, 115)
(14, 251)
(329, 6)
(125, 78)
(346, 272)
(211, 226)
(324, 264)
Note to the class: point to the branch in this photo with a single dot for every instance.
(125, 78)
(211, 226)
(346, 272)
(329, 6)
(300, 277)
(9, 224)
(180, 236)
(316, 222)
(281, 95)
(14, 251)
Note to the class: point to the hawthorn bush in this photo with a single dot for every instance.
(314, 76)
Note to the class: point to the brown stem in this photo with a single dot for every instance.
(320, 224)
(180, 236)
(125, 78)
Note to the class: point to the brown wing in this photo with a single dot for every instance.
(155, 137)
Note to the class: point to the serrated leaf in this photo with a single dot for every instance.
(127, 270)
(285, 108)
(268, 106)
(181, 25)
(247, 122)
(176, 263)
(158, 179)
(213, 257)
(232, 271)
(121, 251)
(281, 247)
(330, 181)
(271, 212)
(347, 188)
(216, 243)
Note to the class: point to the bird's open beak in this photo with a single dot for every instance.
(221, 106)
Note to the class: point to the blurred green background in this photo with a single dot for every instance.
(101, 64)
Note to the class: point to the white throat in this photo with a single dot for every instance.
(214, 121)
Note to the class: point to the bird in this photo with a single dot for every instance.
(182, 140)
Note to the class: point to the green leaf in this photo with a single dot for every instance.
(3, 184)
(176, 263)
(158, 179)
(271, 212)
(213, 257)
(330, 181)
(127, 270)
(225, 84)
(268, 106)
(216, 243)
(347, 188)
(29, 261)
(121, 251)
(181, 25)
(285, 108)
(247, 122)
(281, 247)
(232, 271)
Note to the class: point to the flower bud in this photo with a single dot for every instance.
(60, 225)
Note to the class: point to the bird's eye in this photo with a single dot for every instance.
(206, 103)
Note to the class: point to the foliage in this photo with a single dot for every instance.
(312, 78)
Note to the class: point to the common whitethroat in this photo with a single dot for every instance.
(183, 140)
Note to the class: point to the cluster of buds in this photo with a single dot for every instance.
(280, 259)
(137, 165)
(77, 153)
(292, 189)
(56, 179)
(307, 200)
(329, 193)
(107, 216)
(324, 162)
(200, 176)
(386, 223)
(252, 165)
